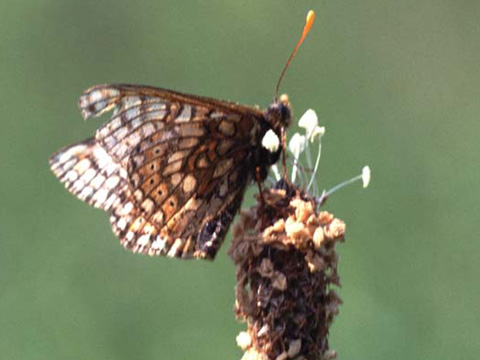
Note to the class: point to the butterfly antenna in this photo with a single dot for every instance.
(308, 24)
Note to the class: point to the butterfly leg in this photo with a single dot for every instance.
(258, 175)
(284, 155)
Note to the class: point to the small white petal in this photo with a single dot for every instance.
(297, 144)
(318, 131)
(308, 120)
(270, 141)
(365, 176)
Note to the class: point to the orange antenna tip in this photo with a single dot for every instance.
(308, 23)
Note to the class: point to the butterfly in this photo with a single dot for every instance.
(170, 168)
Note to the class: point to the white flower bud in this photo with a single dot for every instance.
(365, 176)
(308, 120)
(297, 144)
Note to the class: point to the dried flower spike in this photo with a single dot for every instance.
(286, 263)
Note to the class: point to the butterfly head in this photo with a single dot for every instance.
(279, 114)
(278, 117)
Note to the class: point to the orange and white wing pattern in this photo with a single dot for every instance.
(171, 169)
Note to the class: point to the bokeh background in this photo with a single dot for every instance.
(396, 83)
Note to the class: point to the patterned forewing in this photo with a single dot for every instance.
(187, 160)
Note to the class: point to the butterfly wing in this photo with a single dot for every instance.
(174, 167)
(90, 173)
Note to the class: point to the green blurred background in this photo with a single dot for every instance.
(396, 83)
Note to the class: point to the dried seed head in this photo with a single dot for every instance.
(286, 265)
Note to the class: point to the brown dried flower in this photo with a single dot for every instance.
(286, 264)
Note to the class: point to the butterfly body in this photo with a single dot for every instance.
(170, 168)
